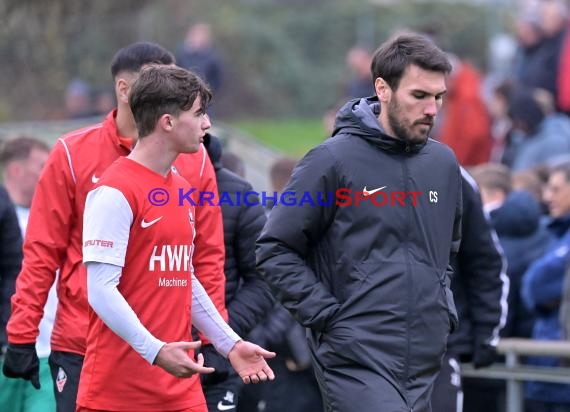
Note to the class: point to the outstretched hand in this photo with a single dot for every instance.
(249, 362)
(174, 359)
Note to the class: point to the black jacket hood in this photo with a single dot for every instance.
(359, 117)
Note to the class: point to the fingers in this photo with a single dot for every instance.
(269, 372)
(263, 375)
(204, 369)
(265, 353)
(200, 359)
(187, 371)
(198, 366)
(189, 345)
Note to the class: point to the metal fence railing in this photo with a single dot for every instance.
(515, 373)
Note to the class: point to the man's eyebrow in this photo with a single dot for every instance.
(441, 93)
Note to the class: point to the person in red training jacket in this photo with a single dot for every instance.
(466, 125)
(53, 240)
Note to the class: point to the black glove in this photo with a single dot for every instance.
(215, 360)
(21, 361)
(484, 355)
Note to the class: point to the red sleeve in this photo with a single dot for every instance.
(209, 251)
(564, 74)
(45, 245)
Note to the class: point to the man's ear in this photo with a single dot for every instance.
(165, 122)
(122, 90)
(383, 90)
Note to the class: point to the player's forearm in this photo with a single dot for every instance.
(115, 312)
(208, 320)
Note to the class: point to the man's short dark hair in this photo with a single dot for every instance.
(133, 57)
(19, 148)
(165, 89)
(393, 57)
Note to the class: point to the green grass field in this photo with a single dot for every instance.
(293, 137)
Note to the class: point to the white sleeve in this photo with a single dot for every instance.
(208, 320)
(106, 226)
(114, 310)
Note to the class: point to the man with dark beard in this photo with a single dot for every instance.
(370, 278)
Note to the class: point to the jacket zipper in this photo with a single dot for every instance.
(409, 279)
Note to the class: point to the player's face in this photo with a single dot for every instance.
(412, 107)
(191, 126)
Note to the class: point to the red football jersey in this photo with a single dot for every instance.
(156, 283)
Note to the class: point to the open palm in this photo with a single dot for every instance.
(249, 362)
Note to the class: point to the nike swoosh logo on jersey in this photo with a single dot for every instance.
(371, 192)
(222, 407)
(145, 224)
(94, 178)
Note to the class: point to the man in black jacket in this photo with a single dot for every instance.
(480, 287)
(367, 269)
(10, 260)
(248, 298)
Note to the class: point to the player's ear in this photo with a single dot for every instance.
(122, 90)
(383, 90)
(166, 122)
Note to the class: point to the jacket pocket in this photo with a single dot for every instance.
(449, 302)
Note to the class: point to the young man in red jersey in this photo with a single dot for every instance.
(53, 239)
(138, 255)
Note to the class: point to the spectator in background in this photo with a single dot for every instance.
(494, 182)
(358, 61)
(233, 163)
(104, 101)
(554, 21)
(78, 100)
(545, 135)
(465, 124)
(480, 288)
(565, 306)
(248, 298)
(197, 53)
(537, 60)
(530, 181)
(10, 262)
(279, 175)
(502, 150)
(542, 290)
(22, 160)
(516, 218)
